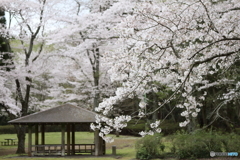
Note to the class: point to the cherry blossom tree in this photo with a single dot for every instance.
(88, 37)
(138, 45)
(5, 63)
(29, 23)
(175, 43)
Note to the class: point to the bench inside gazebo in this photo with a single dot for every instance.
(67, 116)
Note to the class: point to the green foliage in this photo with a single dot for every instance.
(200, 143)
(5, 56)
(237, 131)
(196, 145)
(3, 120)
(7, 129)
(231, 142)
(149, 147)
(135, 126)
(170, 127)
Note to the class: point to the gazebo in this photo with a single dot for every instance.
(67, 116)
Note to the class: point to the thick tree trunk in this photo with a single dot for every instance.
(21, 130)
(21, 133)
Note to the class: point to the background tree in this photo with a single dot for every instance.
(6, 62)
(87, 44)
(6, 57)
(167, 61)
(27, 39)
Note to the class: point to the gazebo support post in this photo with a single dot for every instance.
(29, 140)
(68, 139)
(36, 136)
(104, 147)
(73, 139)
(100, 146)
(97, 143)
(63, 140)
(43, 134)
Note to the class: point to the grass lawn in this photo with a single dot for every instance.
(124, 144)
(125, 148)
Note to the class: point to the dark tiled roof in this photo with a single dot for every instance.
(66, 113)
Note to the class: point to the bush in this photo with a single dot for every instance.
(196, 145)
(170, 127)
(149, 147)
(231, 142)
(7, 129)
(237, 131)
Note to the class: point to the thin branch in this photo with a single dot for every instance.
(212, 24)
(79, 66)
(78, 7)
(232, 9)
(29, 28)
(216, 56)
(34, 35)
(5, 107)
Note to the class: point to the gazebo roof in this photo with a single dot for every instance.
(66, 113)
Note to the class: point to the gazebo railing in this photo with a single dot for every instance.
(56, 149)
(84, 148)
(47, 149)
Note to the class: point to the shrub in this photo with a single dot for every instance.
(231, 142)
(237, 131)
(7, 129)
(196, 145)
(149, 147)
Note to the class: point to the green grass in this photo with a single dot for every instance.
(125, 147)
(124, 144)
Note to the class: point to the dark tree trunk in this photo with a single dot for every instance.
(191, 125)
(24, 96)
(21, 132)
(95, 62)
(155, 106)
(96, 78)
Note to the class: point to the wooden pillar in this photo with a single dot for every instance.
(68, 139)
(29, 140)
(73, 139)
(63, 140)
(36, 134)
(43, 134)
(100, 146)
(36, 137)
(96, 142)
(114, 150)
(104, 147)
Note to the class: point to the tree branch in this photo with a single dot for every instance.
(216, 56)
(221, 40)
(19, 91)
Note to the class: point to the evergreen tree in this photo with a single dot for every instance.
(6, 57)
